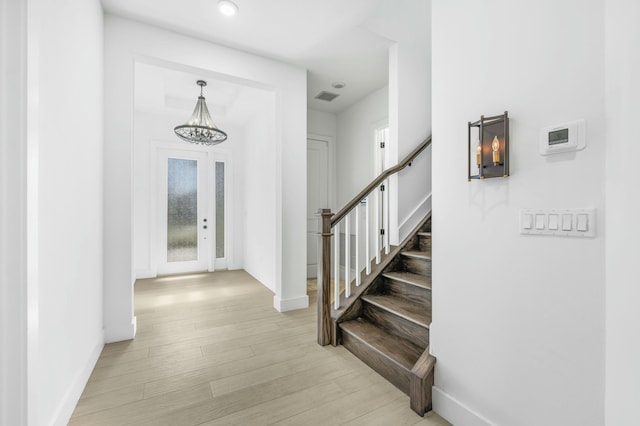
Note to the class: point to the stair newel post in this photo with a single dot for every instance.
(325, 328)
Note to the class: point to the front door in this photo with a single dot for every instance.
(185, 232)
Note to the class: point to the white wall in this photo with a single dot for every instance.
(260, 220)
(66, 236)
(127, 40)
(13, 212)
(622, 63)
(355, 145)
(410, 118)
(322, 123)
(518, 321)
(153, 131)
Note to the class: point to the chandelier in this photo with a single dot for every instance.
(200, 129)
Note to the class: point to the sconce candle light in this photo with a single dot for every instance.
(492, 149)
(495, 147)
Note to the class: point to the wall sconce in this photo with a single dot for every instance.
(489, 141)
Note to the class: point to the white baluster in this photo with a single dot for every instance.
(336, 276)
(347, 255)
(367, 249)
(319, 259)
(386, 217)
(377, 230)
(358, 244)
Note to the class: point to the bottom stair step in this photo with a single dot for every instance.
(391, 356)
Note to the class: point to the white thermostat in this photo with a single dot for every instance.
(563, 138)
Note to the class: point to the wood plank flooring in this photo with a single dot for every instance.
(211, 350)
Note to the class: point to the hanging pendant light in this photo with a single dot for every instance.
(200, 129)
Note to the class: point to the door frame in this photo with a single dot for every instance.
(381, 156)
(380, 164)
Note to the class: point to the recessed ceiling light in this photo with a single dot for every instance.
(339, 85)
(227, 7)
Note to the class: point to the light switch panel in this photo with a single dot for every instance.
(558, 222)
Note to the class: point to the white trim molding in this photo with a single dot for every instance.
(72, 396)
(120, 333)
(284, 305)
(454, 411)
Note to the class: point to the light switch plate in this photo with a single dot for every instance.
(558, 222)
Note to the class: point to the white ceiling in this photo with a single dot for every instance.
(335, 40)
(173, 93)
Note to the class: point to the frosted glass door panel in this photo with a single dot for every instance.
(219, 210)
(182, 210)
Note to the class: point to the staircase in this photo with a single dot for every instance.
(384, 314)
(389, 328)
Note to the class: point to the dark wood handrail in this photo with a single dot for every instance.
(377, 181)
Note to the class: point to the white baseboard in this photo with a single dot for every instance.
(144, 274)
(284, 305)
(454, 411)
(412, 220)
(312, 271)
(118, 334)
(72, 396)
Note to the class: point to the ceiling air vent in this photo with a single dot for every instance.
(326, 96)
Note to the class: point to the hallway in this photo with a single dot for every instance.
(210, 349)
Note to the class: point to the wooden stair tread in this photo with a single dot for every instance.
(417, 254)
(424, 234)
(411, 311)
(410, 278)
(392, 347)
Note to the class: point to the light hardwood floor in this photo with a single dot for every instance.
(211, 350)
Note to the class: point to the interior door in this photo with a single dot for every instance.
(184, 234)
(317, 197)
